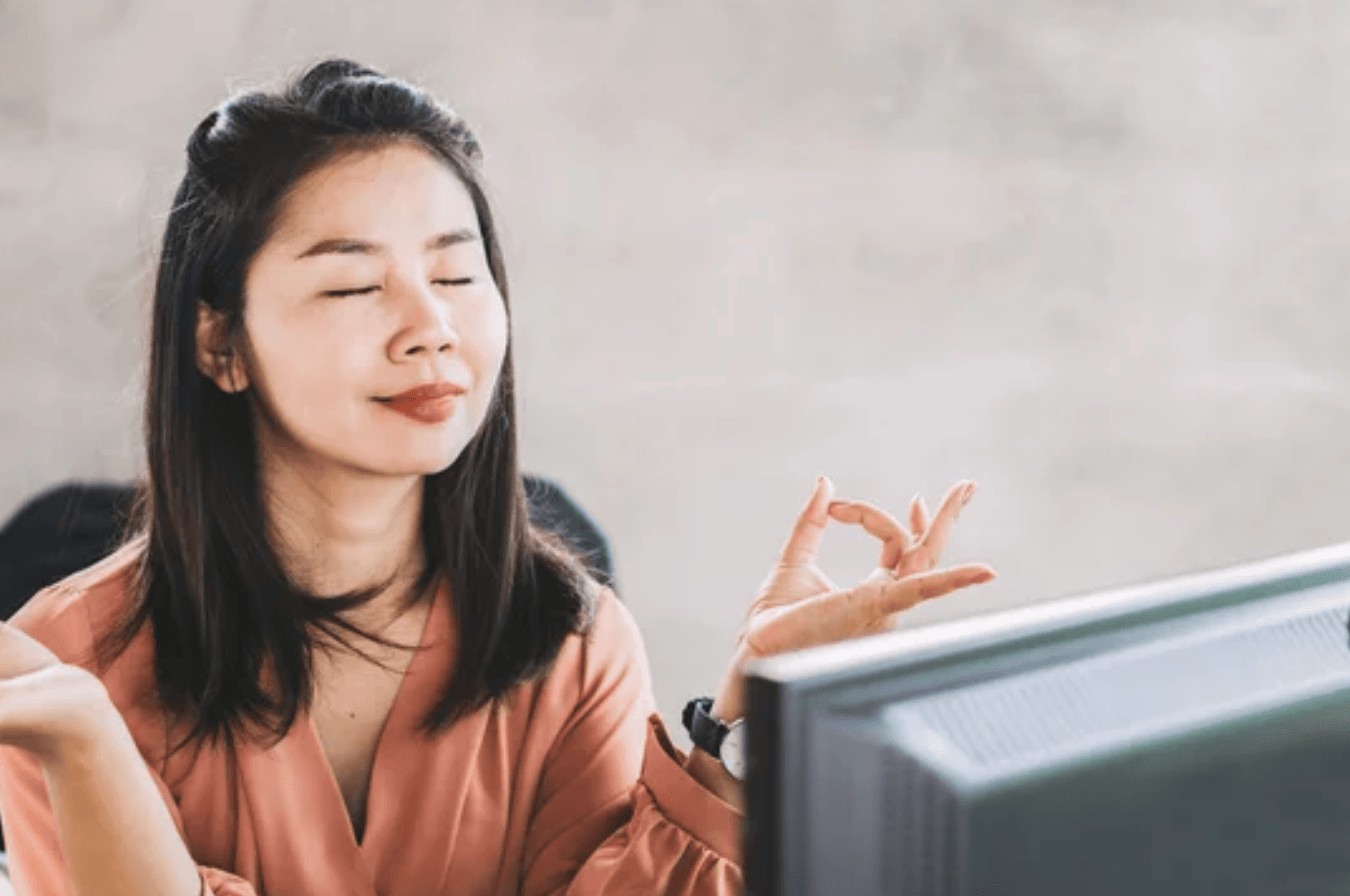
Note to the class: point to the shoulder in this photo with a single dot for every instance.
(71, 616)
(588, 714)
(605, 662)
(68, 615)
(611, 639)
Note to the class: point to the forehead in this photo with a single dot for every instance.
(394, 188)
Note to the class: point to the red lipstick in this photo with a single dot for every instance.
(432, 403)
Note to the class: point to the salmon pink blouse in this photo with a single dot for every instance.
(571, 787)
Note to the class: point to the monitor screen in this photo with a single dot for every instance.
(1187, 736)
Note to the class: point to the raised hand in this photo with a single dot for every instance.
(47, 707)
(799, 606)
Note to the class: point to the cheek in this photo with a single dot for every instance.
(490, 333)
(300, 375)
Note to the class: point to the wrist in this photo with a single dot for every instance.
(100, 737)
(729, 701)
(709, 771)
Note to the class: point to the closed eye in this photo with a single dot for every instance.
(365, 290)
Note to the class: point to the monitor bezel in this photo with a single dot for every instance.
(782, 691)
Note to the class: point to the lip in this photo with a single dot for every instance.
(428, 392)
(430, 403)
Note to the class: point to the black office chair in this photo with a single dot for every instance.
(72, 526)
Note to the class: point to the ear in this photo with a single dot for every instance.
(216, 358)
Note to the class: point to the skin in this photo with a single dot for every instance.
(343, 472)
(360, 294)
(798, 606)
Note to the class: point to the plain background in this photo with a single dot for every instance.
(1092, 255)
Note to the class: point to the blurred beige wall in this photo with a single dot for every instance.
(1091, 255)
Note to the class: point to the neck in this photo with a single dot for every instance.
(337, 532)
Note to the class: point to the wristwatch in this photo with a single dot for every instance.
(716, 738)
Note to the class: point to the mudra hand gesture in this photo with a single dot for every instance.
(48, 708)
(800, 607)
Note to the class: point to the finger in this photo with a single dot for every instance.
(42, 710)
(21, 653)
(918, 517)
(902, 594)
(841, 615)
(804, 542)
(877, 523)
(934, 541)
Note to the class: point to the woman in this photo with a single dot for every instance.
(334, 658)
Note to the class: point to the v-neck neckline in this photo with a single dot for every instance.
(374, 806)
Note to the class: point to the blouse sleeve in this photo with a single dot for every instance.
(32, 840)
(617, 812)
(36, 863)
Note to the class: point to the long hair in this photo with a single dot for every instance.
(211, 583)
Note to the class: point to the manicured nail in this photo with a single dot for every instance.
(967, 494)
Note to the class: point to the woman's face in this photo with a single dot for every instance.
(375, 282)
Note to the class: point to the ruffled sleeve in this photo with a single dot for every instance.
(617, 812)
(680, 840)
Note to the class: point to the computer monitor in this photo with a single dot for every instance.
(1191, 736)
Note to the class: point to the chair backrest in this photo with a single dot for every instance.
(58, 532)
(72, 526)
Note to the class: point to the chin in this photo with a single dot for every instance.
(420, 463)
(425, 455)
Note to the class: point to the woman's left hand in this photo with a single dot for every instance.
(800, 607)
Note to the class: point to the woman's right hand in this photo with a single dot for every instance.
(49, 708)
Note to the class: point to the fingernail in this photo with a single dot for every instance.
(968, 494)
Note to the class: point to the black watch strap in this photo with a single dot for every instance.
(706, 732)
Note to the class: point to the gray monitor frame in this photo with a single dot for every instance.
(783, 691)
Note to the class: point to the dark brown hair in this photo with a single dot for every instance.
(211, 583)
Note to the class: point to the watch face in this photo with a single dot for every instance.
(733, 750)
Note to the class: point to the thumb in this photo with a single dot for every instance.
(804, 542)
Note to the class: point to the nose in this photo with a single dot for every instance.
(426, 325)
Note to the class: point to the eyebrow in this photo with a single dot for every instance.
(349, 246)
